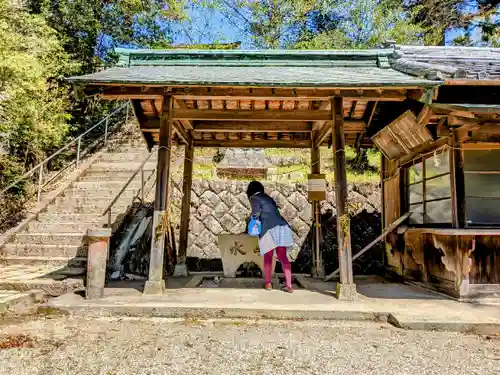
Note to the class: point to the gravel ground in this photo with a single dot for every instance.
(64, 345)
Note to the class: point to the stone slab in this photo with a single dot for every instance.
(402, 305)
(15, 302)
(236, 249)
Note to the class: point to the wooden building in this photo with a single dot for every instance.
(431, 111)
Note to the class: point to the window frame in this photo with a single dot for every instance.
(472, 196)
(424, 180)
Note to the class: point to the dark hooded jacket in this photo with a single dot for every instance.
(264, 207)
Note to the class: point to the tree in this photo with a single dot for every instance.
(458, 22)
(92, 28)
(32, 103)
(317, 24)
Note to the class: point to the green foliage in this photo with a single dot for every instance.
(474, 23)
(92, 28)
(32, 103)
(319, 24)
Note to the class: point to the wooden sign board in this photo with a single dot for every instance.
(316, 187)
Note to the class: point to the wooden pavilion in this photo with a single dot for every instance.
(408, 103)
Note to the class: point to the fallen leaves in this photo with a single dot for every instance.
(16, 342)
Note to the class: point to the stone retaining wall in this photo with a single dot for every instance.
(222, 207)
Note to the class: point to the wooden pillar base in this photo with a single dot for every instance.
(156, 288)
(181, 270)
(96, 262)
(347, 292)
(155, 283)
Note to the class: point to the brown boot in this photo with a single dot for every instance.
(287, 289)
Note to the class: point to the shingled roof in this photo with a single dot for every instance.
(282, 68)
(447, 62)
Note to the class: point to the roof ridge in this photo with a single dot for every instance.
(258, 52)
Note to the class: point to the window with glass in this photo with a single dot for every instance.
(428, 189)
(482, 187)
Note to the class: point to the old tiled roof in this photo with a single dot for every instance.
(397, 66)
(448, 62)
(244, 158)
(292, 68)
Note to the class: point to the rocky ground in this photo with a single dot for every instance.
(64, 345)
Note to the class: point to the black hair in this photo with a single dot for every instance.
(254, 187)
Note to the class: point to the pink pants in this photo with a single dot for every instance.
(285, 264)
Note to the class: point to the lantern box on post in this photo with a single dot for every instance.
(316, 187)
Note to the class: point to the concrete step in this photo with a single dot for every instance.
(101, 194)
(78, 262)
(60, 282)
(104, 176)
(126, 156)
(124, 166)
(69, 217)
(100, 185)
(34, 250)
(87, 205)
(64, 227)
(15, 302)
(47, 238)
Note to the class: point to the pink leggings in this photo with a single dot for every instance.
(285, 264)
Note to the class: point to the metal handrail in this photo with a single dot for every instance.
(78, 140)
(108, 210)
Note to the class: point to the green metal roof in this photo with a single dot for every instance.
(292, 68)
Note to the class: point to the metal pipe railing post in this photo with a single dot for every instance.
(127, 110)
(40, 182)
(109, 218)
(32, 171)
(78, 151)
(106, 130)
(142, 184)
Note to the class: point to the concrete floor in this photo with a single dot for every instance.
(403, 305)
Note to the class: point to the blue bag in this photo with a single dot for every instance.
(254, 227)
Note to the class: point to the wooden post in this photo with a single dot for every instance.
(180, 267)
(318, 270)
(346, 289)
(155, 283)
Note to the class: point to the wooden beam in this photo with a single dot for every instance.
(354, 126)
(181, 133)
(120, 92)
(249, 115)
(240, 126)
(188, 125)
(423, 149)
(141, 118)
(346, 289)
(155, 111)
(362, 134)
(155, 283)
(318, 269)
(425, 115)
(353, 108)
(241, 143)
(186, 200)
(386, 231)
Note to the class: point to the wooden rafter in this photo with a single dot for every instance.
(263, 126)
(247, 115)
(249, 93)
(261, 143)
(185, 123)
(353, 108)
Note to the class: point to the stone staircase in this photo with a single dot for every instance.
(50, 253)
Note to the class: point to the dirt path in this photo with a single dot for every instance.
(64, 345)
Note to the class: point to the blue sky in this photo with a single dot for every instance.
(210, 25)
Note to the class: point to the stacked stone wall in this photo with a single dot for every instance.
(222, 207)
